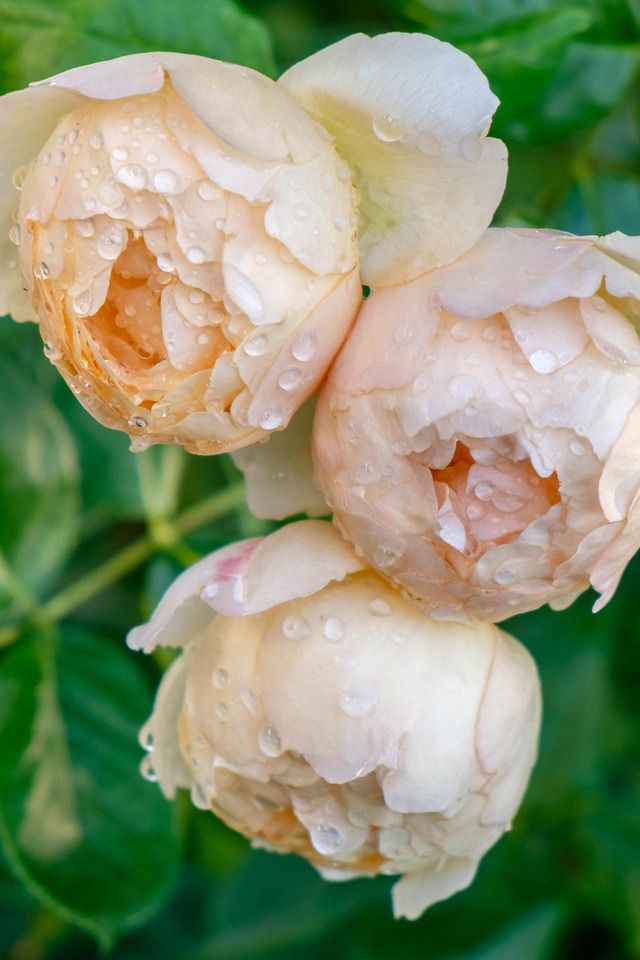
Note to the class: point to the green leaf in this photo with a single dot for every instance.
(79, 825)
(533, 936)
(591, 78)
(39, 479)
(45, 38)
(602, 203)
(273, 902)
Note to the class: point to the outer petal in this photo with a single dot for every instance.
(27, 117)
(279, 474)
(417, 891)
(246, 578)
(409, 115)
(159, 734)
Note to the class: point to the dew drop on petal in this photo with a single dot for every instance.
(220, 678)
(271, 419)
(334, 629)
(14, 234)
(147, 769)
(269, 741)
(249, 702)
(207, 190)
(356, 702)
(96, 140)
(387, 128)
(165, 181)
(295, 628)
(111, 243)
(543, 361)
(379, 607)
(133, 176)
(290, 378)
(304, 347)
(196, 255)
(221, 710)
(138, 422)
(86, 228)
(41, 271)
(325, 839)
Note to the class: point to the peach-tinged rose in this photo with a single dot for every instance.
(318, 712)
(186, 234)
(478, 438)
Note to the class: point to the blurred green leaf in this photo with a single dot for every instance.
(79, 825)
(591, 78)
(533, 936)
(602, 203)
(39, 482)
(45, 38)
(271, 903)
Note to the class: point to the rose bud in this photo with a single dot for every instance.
(318, 712)
(188, 233)
(478, 437)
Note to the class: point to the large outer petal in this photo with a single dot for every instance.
(27, 117)
(248, 577)
(409, 115)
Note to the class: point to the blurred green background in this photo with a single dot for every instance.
(90, 535)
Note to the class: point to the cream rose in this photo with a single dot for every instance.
(318, 712)
(478, 437)
(188, 233)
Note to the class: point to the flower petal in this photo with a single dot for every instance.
(417, 891)
(279, 474)
(409, 115)
(27, 117)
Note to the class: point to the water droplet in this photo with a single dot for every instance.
(82, 303)
(203, 339)
(384, 557)
(464, 388)
(73, 136)
(220, 678)
(138, 422)
(301, 213)
(269, 742)
(207, 190)
(504, 577)
(475, 511)
(577, 448)
(165, 263)
(256, 345)
(379, 607)
(147, 740)
(120, 153)
(387, 128)
(14, 234)
(41, 271)
(461, 330)
(19, 175)
(133, 176)
(543, 361)
(290, 378)
(295, 628)
(147, 770)
(334, 629)
(89, 204)
(339, 222)
(96, 140)
(304, 347)
(221, 710)
(165, 181)
(325, 839)
(489, 334)
(249, 702)
(271, 419)
(357, 702)
(196, 255)
(111, 243)
(484, 490)
(46, 159)
(59, 158)
(521, 396)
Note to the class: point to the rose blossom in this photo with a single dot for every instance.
(478, 437)
(318, 712)
(188, 233)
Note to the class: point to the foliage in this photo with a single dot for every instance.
(90, 535)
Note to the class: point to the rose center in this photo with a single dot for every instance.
(481, 505)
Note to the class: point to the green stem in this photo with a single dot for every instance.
(129, 558)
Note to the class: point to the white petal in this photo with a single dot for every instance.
(417, 891)
(550, 336)
(162, 728)
(610, 330)
(279, 474)
(620, 477)
(26, 119)
(409, 114)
